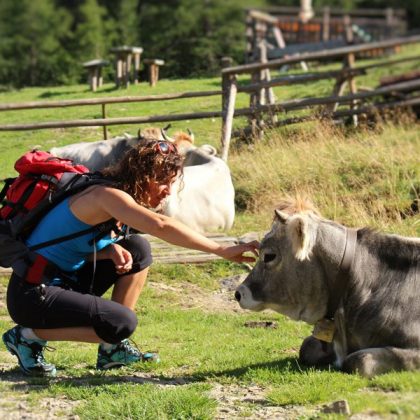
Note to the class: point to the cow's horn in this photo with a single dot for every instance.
(165, 136)
(281, 215)
(191, 135)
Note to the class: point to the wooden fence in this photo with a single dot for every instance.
(262, 100)
(281, 28)
(263, 109)
(104, 121)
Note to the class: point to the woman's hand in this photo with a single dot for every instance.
(121, 258)
(235, 253)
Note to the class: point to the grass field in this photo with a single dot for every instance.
(213, 365)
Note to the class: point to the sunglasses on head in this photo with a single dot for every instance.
(164, 147)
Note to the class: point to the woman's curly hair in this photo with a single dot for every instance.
(144, 163)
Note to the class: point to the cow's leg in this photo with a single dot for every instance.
(375, 361)
(314, 352)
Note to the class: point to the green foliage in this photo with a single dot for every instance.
(44, 42)
(31, 49)
(90, 30)
(197, 34)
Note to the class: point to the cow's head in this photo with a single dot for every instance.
(287, 278)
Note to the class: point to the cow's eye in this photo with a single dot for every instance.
(269, 257)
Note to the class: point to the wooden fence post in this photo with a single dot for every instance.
(348, 63)
(105, 130)
(230, 89)
(258, 98)
(267, 92)
(326, 24)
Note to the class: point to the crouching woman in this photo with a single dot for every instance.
(69, 306)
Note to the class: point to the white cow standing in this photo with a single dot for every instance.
(206, 200)
(203, 199)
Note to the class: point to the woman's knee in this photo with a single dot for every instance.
(116, 325)
(140, 250)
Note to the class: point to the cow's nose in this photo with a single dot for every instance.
(238, 296)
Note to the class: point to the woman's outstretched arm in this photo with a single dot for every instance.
(119, 205)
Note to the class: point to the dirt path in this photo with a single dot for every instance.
(221, 300)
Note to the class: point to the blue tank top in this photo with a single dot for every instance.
(69, 255)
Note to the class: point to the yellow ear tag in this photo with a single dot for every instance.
(324, 330)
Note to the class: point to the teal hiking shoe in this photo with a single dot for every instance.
(29, 353)
(122, 354)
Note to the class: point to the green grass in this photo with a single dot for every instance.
(358, 177)
(198, 349)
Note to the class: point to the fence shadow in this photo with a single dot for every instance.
(21, 382)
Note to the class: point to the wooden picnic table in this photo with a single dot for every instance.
(124, 57)
(94, 68)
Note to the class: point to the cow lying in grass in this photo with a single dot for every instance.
(203, 200)
(97, 155)
(360, 288)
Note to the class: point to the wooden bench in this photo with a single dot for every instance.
(125, 55)
(154, 64)
(94, 68)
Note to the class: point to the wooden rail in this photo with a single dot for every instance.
(321, 55)
(104, 101)
(262, 99)
(282, 29)
(263, 110)
(285, 10)
(104, 121)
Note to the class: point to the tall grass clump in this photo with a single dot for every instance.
(363, 177)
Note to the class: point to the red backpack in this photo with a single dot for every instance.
(40, 174)
(43, 182)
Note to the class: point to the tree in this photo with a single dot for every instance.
(90, 30)
(194, 35)
(31, 52)
(128, 22)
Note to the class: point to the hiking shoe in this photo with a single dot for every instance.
(122, 354)
(29, 353)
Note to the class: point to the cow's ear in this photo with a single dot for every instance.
(299, 234)
(281, 215)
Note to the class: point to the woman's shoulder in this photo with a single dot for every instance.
(106, 192)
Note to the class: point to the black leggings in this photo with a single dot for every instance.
(57, 307)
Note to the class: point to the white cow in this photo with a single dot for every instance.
(205, 201)
(97, 155)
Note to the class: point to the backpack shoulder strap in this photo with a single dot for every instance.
(101, 228)
(72, 184)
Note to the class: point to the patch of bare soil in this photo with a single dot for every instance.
(16, 407)
(191, 296)
(3, 289)
(249, 402)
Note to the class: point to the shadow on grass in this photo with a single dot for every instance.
(21, 382)
(50, 94)
(114, 88)
(288, 364)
